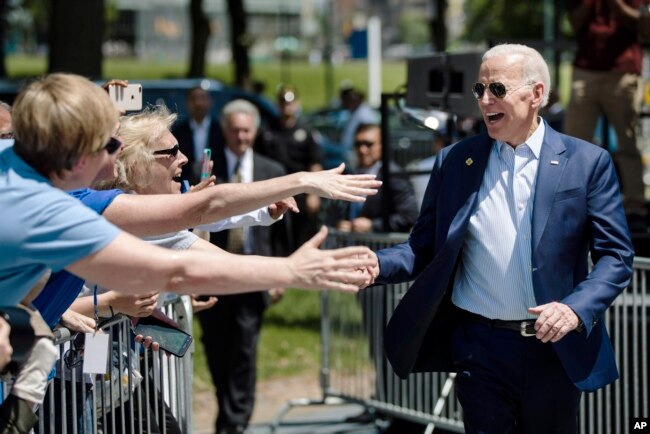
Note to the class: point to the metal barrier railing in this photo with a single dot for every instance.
(141, 388)
(354, 369)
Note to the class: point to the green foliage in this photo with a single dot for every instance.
(413, 28)
(494, 19)
(309, 79)
(289, 342)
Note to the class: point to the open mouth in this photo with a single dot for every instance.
(177, 178)
(494, 117)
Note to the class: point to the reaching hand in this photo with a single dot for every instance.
(333, 269)
(209, 182)
(555, 321)
(278, 209)
(332, 184)
(77, 322)
(200, 305)
(133, 305)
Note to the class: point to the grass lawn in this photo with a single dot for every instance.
(310, 80)
(289, 343)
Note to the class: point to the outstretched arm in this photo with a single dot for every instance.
(144, 215)
(131, 265)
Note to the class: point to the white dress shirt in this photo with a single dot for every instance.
(494, 277)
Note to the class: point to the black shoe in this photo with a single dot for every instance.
(362, 418)
(237, 429)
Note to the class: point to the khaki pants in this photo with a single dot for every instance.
(617, 96)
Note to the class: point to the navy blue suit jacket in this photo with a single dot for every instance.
(577, 209)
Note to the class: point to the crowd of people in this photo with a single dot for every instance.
(95, 225)
(67, 137)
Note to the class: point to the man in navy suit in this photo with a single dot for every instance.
(503, 295)
(198, 132)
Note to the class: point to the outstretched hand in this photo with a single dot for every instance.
(330, 269)
(332, 184)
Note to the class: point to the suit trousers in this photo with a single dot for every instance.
(511, 384)
(230, 334)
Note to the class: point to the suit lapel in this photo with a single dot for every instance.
(549, 173)
(468, 179)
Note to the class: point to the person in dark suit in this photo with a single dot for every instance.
(503, 293)
(401, 203)
(198, 132)
(231, 328)
(294, 145)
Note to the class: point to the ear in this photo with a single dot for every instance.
(538, 95)
(80, 164)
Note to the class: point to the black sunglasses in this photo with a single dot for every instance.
(360, 143)
(497, 89)
(171, 151)
(113, 145)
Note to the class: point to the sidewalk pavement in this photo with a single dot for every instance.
(316, 419)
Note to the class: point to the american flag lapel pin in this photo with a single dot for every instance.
(469, 162)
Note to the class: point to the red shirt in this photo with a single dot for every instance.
(604, 44)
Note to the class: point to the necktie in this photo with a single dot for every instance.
(236, 235)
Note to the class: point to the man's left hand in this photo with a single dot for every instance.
(554, 322)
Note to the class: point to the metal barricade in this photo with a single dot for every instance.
(354, 369)
(141, 387)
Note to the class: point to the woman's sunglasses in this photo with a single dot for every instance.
(497, 89)
(171, 151)
(113, 145)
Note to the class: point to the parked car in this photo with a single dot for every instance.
(172, 93)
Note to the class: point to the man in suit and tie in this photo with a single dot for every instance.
(231, 328)
(503, 294)
(198, 132)
(399, 199)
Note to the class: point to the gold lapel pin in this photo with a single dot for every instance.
(469, 161)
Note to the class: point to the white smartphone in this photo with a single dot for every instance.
(127, 98)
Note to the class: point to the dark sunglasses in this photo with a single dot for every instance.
(113, 145)
(497, 89)
(360, 143)
(171, 151)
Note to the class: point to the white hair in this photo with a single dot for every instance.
(534, 67)
(240, 106)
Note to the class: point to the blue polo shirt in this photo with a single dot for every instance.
(63, 288)
(42, 227)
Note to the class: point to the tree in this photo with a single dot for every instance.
(506, 19)
(199, 39)
(76, 35)
(240, 42)
(438, 25)
(4, 9)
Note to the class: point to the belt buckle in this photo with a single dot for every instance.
(527, 328)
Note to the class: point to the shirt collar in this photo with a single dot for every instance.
(204, 124)
(244, 160)
(534, 142)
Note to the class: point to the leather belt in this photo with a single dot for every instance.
(525, 328)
